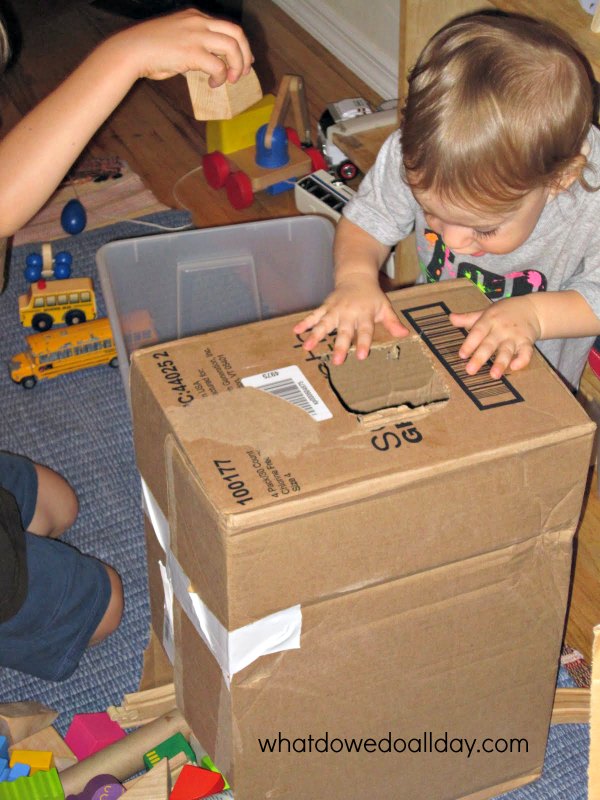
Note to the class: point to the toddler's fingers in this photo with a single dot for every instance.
(482, 354)
(466, 320)
(504, 356)
(364, 337)
(393, 326)
(523, 356)
(310, 320)
(343, 340)
(318, 332)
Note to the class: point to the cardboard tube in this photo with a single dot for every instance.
(124, 758)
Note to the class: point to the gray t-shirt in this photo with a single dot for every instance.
(562, 252)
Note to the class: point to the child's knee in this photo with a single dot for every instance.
(56, 506)
(114, 611)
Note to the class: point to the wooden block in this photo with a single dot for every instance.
(195, 783)
(139, 708)
(571, 706)
(49, 739)
(226, 100)
(125, 757)
(19, 720)
(157, 670)
(89, 733)
(154, 785)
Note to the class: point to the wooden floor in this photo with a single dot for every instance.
(155, 132)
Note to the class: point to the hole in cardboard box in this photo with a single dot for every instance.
(394, 378)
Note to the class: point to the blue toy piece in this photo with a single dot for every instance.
(18, 771)
(275, 156)
(73, 218)
(33, 270)
(4, 747)
(62, 265)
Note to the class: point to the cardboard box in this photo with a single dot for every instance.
(391, 568)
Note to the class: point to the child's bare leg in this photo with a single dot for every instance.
(114, 611)
(56, 506)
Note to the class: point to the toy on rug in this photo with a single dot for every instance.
(69, 302)
(89, 733)
(56, 352)
(44, 265)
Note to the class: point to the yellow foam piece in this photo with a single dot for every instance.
(37, 759)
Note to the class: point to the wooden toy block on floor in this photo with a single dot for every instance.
(125, 757)
(48, 739)
(89, 733)
(154, 785)
(226, 100)
(195, 783)
(44, 784)
(19, 720)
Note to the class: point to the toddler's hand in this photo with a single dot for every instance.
(186, 40)
(353, 308)
(509, 329)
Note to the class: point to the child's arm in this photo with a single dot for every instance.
(37, 153)
(357, 301)
(510, 328)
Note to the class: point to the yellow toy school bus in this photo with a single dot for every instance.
(71, 301)
(53, 353)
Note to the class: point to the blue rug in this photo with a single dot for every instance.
(79, 424)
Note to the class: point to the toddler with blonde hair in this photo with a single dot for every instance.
(495, 167)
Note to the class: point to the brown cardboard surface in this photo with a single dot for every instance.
(428, 545)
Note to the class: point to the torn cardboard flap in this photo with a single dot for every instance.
(395, 376)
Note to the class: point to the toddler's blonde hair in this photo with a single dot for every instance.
(497, 106)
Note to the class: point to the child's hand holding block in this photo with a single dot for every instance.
(227, 100)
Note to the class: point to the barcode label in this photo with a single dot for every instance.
(290, 384)
(444, 340)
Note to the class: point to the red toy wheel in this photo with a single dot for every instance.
(216, 169)
(317, 159)
(293, 137)
(239, 190)
(347, 170)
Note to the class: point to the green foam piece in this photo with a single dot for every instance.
(167, 749)
(43, 785)
(208, 763)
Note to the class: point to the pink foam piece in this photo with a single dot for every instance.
(89, 733)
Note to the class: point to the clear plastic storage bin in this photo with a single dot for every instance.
(168, 286)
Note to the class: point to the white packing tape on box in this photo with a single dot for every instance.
(159, 522)
(233, 650)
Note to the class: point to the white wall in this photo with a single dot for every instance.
(363, 34)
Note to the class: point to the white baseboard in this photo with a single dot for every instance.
(376, 69)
